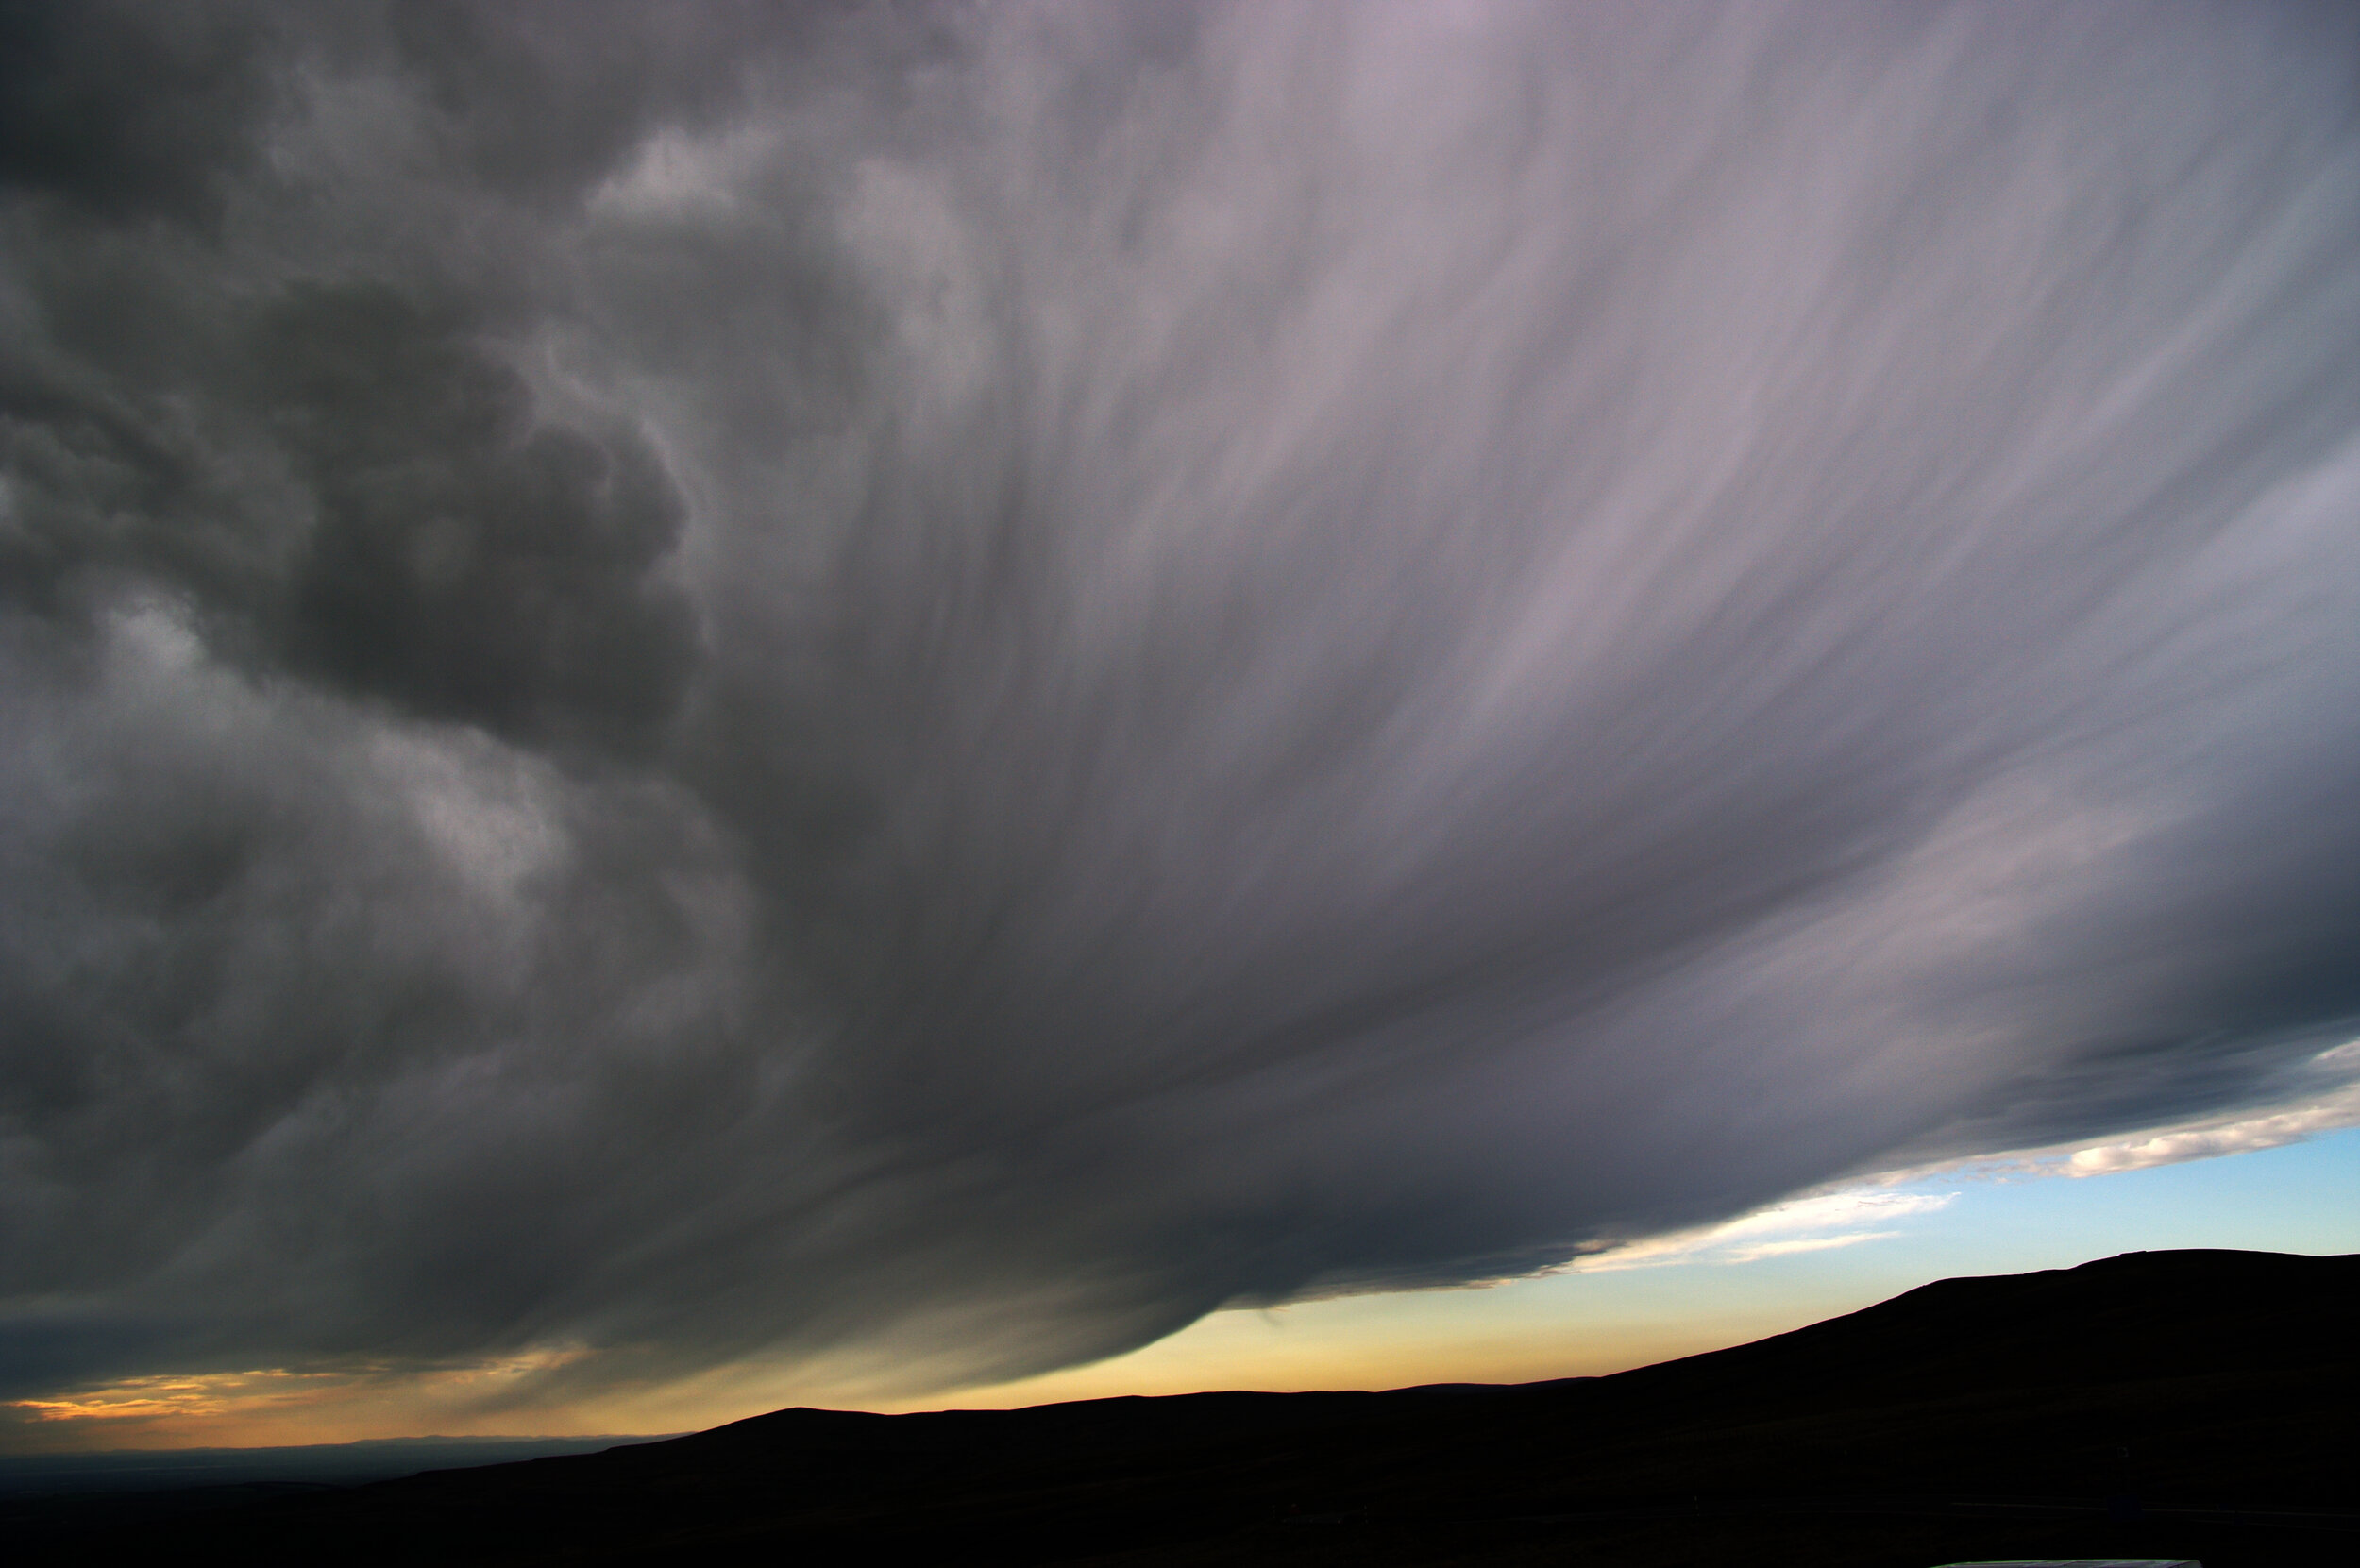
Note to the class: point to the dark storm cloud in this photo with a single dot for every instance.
(122, 109)
(461, 560)
(947, 685)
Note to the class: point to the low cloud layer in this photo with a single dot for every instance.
(946, 684)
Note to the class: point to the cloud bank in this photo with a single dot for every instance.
(947, 684)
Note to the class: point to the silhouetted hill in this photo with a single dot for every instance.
(2195, 1404)
(116, 1471)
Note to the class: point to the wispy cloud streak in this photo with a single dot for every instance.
(1844, 1218)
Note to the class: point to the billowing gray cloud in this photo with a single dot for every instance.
(956, 683)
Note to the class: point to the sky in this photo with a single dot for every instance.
(725, 704)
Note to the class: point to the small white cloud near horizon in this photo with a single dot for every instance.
(1842, 1218)
(2328, 1100)
(2214, 1139)
(1863, 1210)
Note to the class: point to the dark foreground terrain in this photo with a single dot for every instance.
(2184, 1403)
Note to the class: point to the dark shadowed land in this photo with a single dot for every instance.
(2181, 1404)
(55, 1494)
(127, 1470)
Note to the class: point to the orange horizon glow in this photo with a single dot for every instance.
(1356, 1342)
(1778, 1269)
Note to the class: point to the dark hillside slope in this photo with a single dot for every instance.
(2196, 1404)
(2196, 1361)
